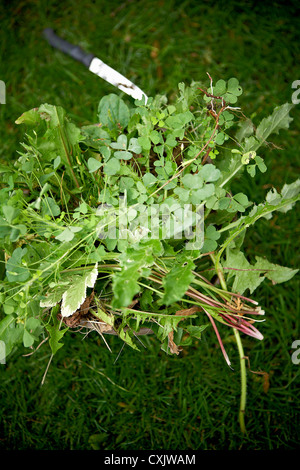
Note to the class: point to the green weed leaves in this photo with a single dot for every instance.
(135, 217)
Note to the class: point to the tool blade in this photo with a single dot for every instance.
(113, 77)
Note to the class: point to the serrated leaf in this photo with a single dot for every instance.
(30, 118)
(273, 197)
(75, 295)
(177, 281)
(168, 323)
(251, 144)
(262, 210)
(279, 119)
(246, 128)
(291, 190)
(54, 296)
(274, 272)
(56, 334)
(245, 275)
(125, 282)
(127, 338)
(196, 331)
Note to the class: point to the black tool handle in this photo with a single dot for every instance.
(74, 51)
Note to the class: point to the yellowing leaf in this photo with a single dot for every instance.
(76, 293)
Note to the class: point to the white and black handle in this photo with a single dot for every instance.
(64, 46)
(95, 65)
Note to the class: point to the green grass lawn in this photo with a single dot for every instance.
(146, 399)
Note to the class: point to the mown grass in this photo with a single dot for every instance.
(191, 401)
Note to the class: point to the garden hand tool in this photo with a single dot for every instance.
(95, 65)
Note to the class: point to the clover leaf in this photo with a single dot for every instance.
(123, 151)
(228, 91)
(112, 167)
(93, 164)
